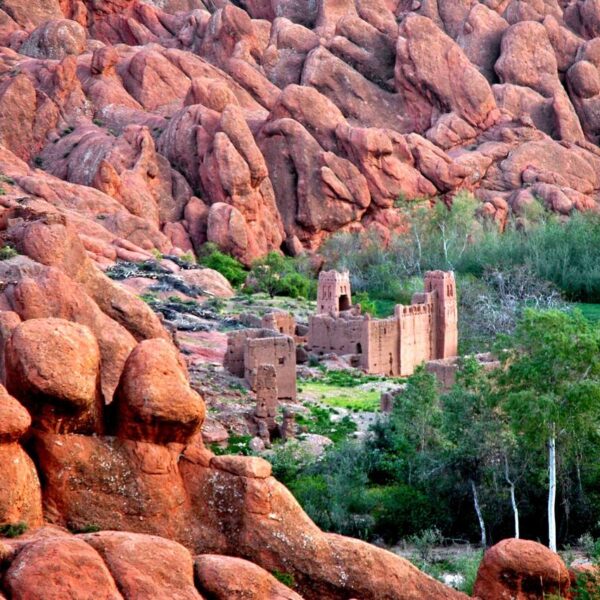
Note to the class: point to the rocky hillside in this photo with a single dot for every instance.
(267, 124)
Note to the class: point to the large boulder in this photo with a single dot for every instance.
(227, 578)
(20, 493)
(78, 572)
(146, 566)
(154, 401)
(53, 367)
(449, 82)
(55, 39)
(520, 570)
(37, 292)
(14, 418)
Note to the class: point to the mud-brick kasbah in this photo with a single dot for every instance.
(424, 331)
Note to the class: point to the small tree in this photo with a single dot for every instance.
(474, 432)
(550, 386)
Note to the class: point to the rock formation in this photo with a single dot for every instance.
(161, 125)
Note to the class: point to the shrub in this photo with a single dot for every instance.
(12, 530)
(7, 252)
(285, 578)
(279, 276)
(233, 270)
(425, 541)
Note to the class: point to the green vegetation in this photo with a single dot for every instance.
(471, 463)
(589, 311)
(352, 399)
(13, 530)
(539, 261)
(88, 528)
(322, 422)
(7, 252)
(237, 444)
(276, 275)
(212, 258)
(285, 578)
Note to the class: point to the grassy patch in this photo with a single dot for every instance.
(12, 530)
(343, 397)
(320, 421)
(236, 444)
(590, 311)
(285, 578)
(465, 565)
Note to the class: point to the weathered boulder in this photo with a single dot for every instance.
(37, 292)
(78, 572)
(227, 578)
(145, 566)
(55, 39)
(450, 82)
(53, 368)
(115, 484)
(209, 281)
(154, 402)
(520, 569)
(14, 418)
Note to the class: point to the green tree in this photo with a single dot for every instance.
(550, 387)
(475, 433)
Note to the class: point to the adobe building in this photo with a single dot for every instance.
(250, 349)
(425, 330)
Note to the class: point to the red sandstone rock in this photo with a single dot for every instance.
(47, 292)
(78, 572)
(519, 569)
(226, 578)
(20, 492)
(145, 566)
(53, 367)
(14, 418)
(451, 83)
(55, 39)
(154, 402)
(208, 280)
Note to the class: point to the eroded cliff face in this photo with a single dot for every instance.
(269, 124)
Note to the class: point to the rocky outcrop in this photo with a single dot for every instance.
(145, 111)
(521, 569)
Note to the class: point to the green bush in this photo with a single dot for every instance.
(7, 252)
(233, 270)
(12, 530)
(277, 275)
(285, 578)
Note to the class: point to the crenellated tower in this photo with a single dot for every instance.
(334, 294)
(443, 284)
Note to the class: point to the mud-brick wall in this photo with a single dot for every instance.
(381, 347)
(336, 335)
(278, 351)
(417, 335)
(281, 322)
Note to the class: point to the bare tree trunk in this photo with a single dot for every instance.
(513, 500)
(479, 514)
(552, 489)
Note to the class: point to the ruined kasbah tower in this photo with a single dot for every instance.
(425, 330)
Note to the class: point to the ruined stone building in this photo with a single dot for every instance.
(425, 330)
(250, 349)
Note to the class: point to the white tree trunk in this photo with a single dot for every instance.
(552, 490)
(479, 514)
(513, 499)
